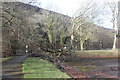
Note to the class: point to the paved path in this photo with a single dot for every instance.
(13, 68)
(110, 67)
(93, 68)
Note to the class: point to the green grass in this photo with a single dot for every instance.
(97, 53)
(39, 68)
(86, 67)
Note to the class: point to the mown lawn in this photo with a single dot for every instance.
(39, 68)
(98, 53)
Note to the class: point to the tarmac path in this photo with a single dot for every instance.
(13, 68)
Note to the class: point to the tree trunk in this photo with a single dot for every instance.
(82, 46)
(114, 43)
(72, 38)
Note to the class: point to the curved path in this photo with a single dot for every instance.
(13, 68)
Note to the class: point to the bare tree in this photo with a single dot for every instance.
(85, 31)
(62, 36)
(16, 18)
(84, 22)
(51, 24)
(114, 9)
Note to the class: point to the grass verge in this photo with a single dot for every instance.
(5, 59)
(39, 68)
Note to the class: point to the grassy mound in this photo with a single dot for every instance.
(39, 68)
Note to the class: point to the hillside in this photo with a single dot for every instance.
(105, 35)
(25, 20)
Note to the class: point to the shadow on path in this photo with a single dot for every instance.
(13, 68)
